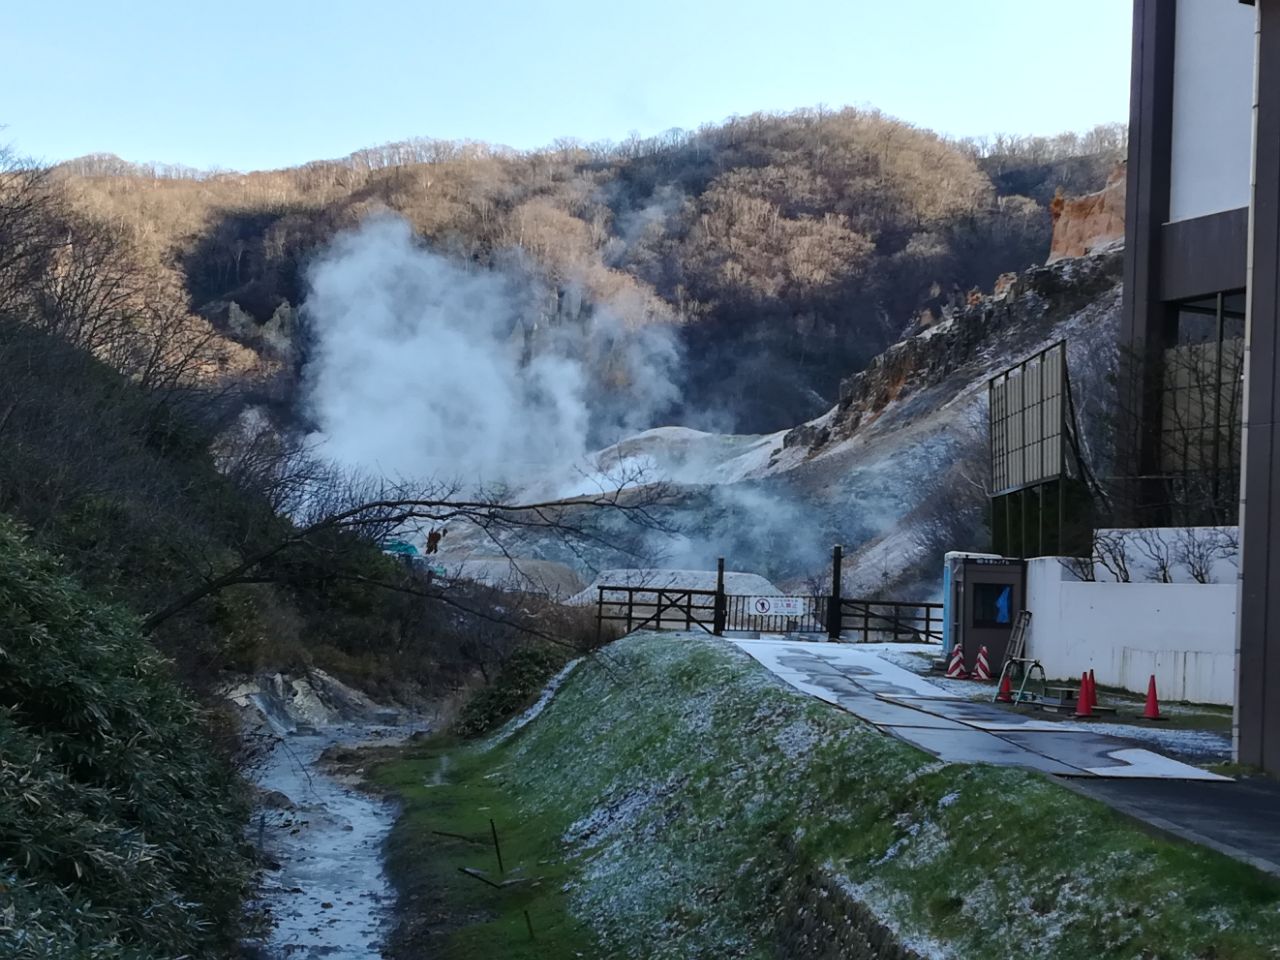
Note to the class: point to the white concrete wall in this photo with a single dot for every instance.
(1214, 50)
(1184, 633)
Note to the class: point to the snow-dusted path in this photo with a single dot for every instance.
(330, 898)
(906, 705)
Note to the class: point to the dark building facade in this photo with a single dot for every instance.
(1202, 306)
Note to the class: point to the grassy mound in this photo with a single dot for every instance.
(119, 831)
(518, 683)
(676, 801)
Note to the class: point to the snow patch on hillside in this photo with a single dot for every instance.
(862, 475)
(736, 583)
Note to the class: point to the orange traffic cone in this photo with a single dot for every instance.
(955, 669)
(1006, 690)
(982, 669)
(1093, 690)
(1153, 703)
(1084, 705)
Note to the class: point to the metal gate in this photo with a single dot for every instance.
(742, 615)
(660, 608)
(891, 620)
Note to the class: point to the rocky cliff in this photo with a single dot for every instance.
(895, 471)
(962, 344)
(1091, 223)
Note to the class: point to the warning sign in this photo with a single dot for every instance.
(777, 606)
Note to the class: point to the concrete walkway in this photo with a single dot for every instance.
(911, 708)
(1239, 818)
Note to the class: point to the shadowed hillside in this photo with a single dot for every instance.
(788, 249)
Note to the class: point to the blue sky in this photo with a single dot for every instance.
(253, 85)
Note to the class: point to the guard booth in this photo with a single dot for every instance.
(982, 594)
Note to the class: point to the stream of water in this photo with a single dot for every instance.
(330, 898)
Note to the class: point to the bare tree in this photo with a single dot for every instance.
(1199, 548)
(1111, 552)
(88, 290)
(1153, 545)
(374, 510)
(26, 241)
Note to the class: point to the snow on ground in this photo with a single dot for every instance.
(669, 454)
(331, 897)
(539, 705)
(682, 455)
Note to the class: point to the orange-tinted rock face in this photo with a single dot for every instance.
(1087, 224)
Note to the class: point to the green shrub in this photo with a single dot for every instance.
(517, 685)
(120, 829)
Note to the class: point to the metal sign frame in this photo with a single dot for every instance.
(1027, 416)
(1042, 490)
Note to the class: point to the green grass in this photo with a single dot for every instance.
(426, 858)
(675, 796)
(1238, 771)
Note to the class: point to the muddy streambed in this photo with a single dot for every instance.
(330, 897)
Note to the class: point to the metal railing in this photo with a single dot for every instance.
(739, 616)
(715, 611)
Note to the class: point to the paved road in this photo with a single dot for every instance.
(1240, 819)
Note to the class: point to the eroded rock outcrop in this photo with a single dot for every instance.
(311, 699)
(1089, 224)
(1022, 306)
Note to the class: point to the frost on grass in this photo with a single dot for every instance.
(692, 788)
(523, 720)
(796, 739)
(622, 812)
(887, 905)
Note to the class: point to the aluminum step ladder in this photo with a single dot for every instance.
(1015, 657)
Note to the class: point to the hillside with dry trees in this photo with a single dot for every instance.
(788, 249)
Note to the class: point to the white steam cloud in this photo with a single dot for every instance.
(423, 367)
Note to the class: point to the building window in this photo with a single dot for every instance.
(992, 604)
(1201, 409)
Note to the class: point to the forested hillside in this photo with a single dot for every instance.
(151, 553)
(787, 249)
(119, 827)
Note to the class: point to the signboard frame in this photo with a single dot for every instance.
(1041, 491)
(1027, 415)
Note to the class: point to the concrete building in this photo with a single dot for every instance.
(1202, 306)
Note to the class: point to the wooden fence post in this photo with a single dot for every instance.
(718, 614)
(834, 613)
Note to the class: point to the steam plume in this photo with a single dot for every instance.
(420, 366)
